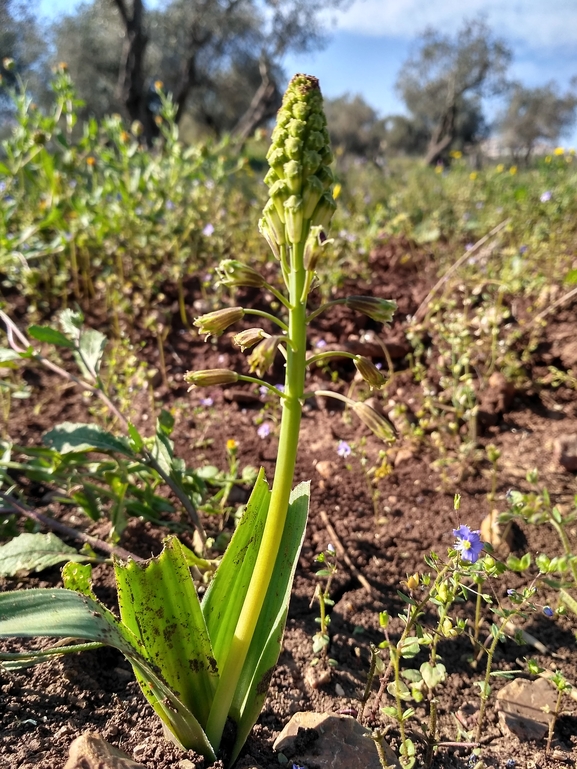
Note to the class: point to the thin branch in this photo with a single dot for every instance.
(19, 507)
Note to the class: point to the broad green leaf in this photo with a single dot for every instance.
(135, 437)
(225, 595)
(162, 451)
(61, 613)
(433, 675)
(401, 688)
(71, 322)
(266, 644)
(72, 436)
(34, 552)
(50, 335)
(158, 603)
(91, 346)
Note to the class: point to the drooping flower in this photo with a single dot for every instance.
(469, 543)
(343, 449)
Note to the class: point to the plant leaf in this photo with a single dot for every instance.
(158, 603)
(35, 552)
(433, 675)
(50, 335)
(91, 346)
(76, 436)
(61, 613)
(266, 644)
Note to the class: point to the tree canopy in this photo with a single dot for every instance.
(445, 78)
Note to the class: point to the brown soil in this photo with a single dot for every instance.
(42, 709)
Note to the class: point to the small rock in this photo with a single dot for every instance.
(339, 691)
(316, 678)
(186, 764)
(497, 535)
(325, 468)
(91, 751)
(329, 740)
(526, 708)
(403, 455)
(565, 451)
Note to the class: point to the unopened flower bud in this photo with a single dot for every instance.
(277, 158)
(274, 222)
(447, 628)
(369, 372)
(231, 272)
(380, 310)
(493, 453)
(294, 218)
(312, 193)
(210, 377)
(293, 173)
(271, 177)
(443, 593)
(413, 581)
(293, 147)
(8, 63)
(316, 240)
(263, 355)
(278, 193)
(374, 421)
(214, 323)
(137, 128)
(265, 231)
(324, 211)
(312, 163)
(247, 339)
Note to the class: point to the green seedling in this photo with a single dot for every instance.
(327, 558)
(205, 667)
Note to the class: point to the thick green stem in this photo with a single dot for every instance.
(279, 502)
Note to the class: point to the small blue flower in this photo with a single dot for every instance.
(280, 387)
(523, 249)
(511, 592)
(330, 548)
(548, 611)
(343, 449)
(208, 230)
(545, 196)
(468, 543)
(469, 246)
(169, 205)
(510, 763)
(321, 343)
(206, 402)
(264, 430)
(263, 390)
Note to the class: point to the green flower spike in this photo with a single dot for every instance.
(299, 179)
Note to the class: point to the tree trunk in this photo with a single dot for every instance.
(263, 106)
(131, 85)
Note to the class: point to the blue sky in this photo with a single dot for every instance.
(372, 38)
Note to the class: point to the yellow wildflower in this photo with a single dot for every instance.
(473, 176)
(90, 161)
(513, 170)
(337, 190)
(158, 84)
(438, 168)
(231, 444)
(456, 154)
(500, 168)
(559, 151)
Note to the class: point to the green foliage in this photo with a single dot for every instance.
(175, 644)
(35, 552)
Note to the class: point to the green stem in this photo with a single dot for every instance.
(324, 307)
(279, 502)
(330, 354)
(268, 316)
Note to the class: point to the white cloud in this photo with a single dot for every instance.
(533, 23)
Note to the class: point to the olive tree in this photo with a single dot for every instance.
(446, 77)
